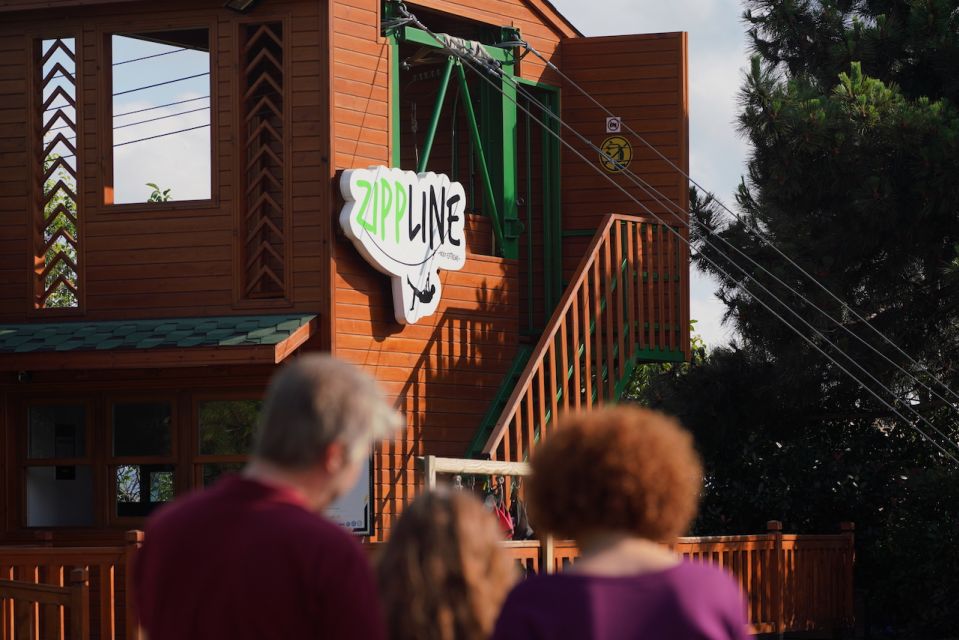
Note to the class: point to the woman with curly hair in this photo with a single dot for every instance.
(621, 482)
(443, 574)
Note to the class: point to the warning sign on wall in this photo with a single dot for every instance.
(617, 153)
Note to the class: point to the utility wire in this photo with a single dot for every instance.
(130, 113)
(161, 84)
(755, 230)
(160, 106)
(162, 135)
(117, 64)
(661, 198)
(668, 204)
(665, 201)
(719, 268)
(155, 55)
(132, 124)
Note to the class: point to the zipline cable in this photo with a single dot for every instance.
(660, 198)
(668, 203)
(755, 230)
(469, 61)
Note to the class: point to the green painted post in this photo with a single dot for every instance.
(437, 112)
(481, 157)
(395, 97)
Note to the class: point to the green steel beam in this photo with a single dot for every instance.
(481, 157)
(413, 35)
(437, 112)
(396, 96)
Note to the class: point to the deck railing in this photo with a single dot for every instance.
(792, 583)
(626, 302)
(108, 570)
(31, 611)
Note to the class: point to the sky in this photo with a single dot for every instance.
(717, 60)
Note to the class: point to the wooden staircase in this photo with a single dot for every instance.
(627, 303)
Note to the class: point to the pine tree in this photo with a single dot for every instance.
(850, 107)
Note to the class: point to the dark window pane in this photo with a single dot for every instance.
(141, 488)
(56, 432)
(227, 426)
(212, 472)
(141, 429)
(60, 496)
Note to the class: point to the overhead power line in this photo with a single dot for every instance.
(719, 268)
(756, 231)
(161, 84)
(162, 135)
(138, 122)
(155, 55)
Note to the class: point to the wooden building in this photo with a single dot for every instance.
(138, 329)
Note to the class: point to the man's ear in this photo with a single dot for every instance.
(334, 458)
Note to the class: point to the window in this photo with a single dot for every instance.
(57, 213)
(161, 116)
(225, 435)
(59, 476)
(144, 473)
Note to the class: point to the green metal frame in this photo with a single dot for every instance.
(494, 134)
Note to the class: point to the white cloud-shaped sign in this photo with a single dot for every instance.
(409, 227)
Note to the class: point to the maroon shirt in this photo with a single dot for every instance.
(248, 560)
(686, 602)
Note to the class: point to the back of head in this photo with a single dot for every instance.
(443, 574)
(624, 469)
(315, 401)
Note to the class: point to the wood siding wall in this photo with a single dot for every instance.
(443, 372)
(643, 80)
(180, 259)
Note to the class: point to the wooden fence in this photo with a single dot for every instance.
(107, 615)
(33, 610)
(792, 583)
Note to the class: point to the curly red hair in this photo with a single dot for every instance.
(621, 469)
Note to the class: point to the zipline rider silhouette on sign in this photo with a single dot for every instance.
(422, 295)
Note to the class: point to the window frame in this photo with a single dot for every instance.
(106, 186)
(111, 461)
(24, 462)
(197, 459)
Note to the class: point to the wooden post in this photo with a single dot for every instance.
(547, 559)
(429, 471)
(134, 540)
(80, 604)
(775, 529)
(848, 618)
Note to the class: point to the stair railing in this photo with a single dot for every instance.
(626, 302)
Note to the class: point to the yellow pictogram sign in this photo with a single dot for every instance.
(617, 154)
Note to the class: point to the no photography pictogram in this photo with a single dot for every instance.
(617, 154)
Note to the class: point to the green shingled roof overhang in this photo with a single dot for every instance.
(265, 339)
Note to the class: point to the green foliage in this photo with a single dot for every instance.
(158, 194)
(850, 109)
(61, 296)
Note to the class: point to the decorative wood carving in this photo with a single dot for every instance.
(264, 229)
(57, 209)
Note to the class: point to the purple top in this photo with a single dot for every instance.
(689, 601)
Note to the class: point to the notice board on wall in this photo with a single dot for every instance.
(354, 509)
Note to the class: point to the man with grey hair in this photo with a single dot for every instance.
(252, 557)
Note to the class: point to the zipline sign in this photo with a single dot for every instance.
(408, 226)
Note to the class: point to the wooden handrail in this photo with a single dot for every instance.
(625, 297)
(108, 614)
(50, 598)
